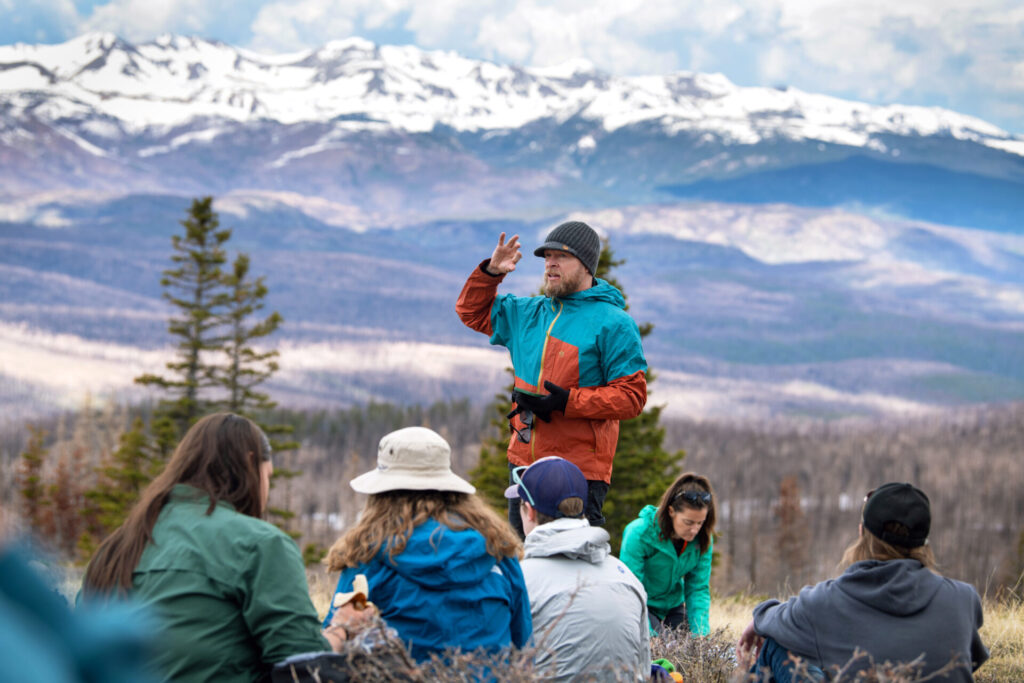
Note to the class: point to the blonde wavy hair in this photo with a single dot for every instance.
(871, 547)
(390, 517)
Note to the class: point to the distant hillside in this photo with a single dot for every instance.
(758, 310)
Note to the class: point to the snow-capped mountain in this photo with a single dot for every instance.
(173, 81)
(400, 133)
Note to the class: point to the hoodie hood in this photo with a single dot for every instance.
(649, 515)
(573, 538)
(440, 558)
(898, 587)
(601, 291)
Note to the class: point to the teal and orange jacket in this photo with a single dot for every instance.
(584, 342)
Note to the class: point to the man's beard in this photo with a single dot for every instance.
(565, 285)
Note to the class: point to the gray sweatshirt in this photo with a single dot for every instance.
(895, 611)
(589, 611)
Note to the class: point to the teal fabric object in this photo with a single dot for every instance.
(445, 591)
(669, 579)
(41, 639)
(607, 337)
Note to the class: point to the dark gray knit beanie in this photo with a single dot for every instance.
(577, 238)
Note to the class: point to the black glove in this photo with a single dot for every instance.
(542, 406)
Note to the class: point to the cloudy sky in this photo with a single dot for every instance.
(966, 55)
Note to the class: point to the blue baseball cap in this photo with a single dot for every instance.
(546, 483)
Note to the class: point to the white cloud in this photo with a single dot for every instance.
(893, 51)
(39, 21)
(286, 25)
(144, 19)
(608, 33)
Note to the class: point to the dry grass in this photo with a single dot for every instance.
(1003, 633)
(712, 659)
(321, 588)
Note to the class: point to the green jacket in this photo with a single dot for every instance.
(230, 591)
(670, 579)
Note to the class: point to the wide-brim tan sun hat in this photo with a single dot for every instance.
(413, 458)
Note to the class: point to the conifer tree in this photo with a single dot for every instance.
(643, 469)
(195, 286)
(120, 481)
(67, 500)
(246, 367)
(490, 476)
(30, 479)
(791, 535)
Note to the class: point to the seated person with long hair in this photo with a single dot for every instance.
(229, 589)
(890, 602)
(442, 567)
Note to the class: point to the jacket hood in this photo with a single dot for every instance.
(601, 291)
(649, 514)
(573, 538)
(898, 587)
(439, 558)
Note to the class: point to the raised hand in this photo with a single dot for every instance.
(505, 257)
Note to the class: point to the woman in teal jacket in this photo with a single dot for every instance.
(669, 549)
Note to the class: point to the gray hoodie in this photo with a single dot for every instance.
(589, 611)
(894, 610)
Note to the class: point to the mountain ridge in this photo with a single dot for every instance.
(617, 100)
(400, 135)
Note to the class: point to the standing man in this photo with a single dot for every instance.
(589, 610)
(576, 354)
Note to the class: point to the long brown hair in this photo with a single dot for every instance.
(688, 482)
(220, 455)
(389, 518)
(871, 547)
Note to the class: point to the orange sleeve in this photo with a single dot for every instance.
(477, 299)
(621, 399)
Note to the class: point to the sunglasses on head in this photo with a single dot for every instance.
(517, 478)
(698, 498)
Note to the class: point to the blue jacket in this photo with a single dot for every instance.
(445, 591)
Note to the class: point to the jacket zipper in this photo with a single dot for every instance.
(540, 376)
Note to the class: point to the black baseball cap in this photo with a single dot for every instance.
(902, 503)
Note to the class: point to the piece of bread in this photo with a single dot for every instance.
(358, 596)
